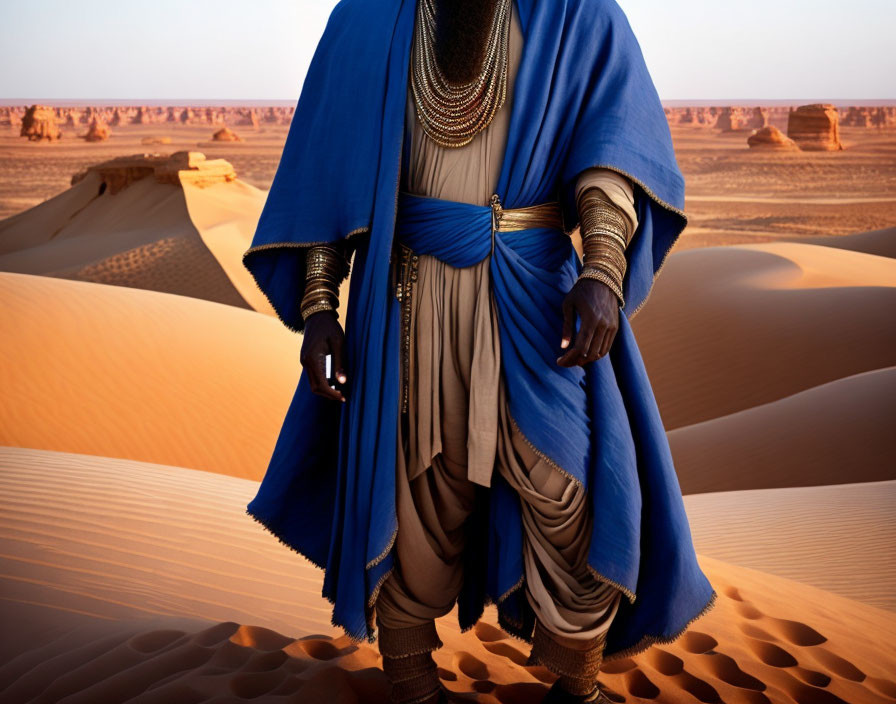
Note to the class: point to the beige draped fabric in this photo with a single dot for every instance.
(458, 429)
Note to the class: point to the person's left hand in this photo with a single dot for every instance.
(598, 309)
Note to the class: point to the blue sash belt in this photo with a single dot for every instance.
(532, 269)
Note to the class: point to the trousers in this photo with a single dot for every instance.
(457, 413)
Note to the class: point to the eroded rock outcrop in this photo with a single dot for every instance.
(770, 137)
(97, 132)
(40, 123)
(225, 134)
(815, 127)
(177, 169)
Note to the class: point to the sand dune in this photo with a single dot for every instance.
(835, 433)
(177, 595)
(839, 538)
(169, 237)
(122, 372)
(729, 328)
(879, 242)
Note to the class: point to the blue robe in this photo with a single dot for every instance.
(583, 97)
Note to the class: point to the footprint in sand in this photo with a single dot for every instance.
(640, 686)
(726, 669)
(732, 593)
(794, 631)
(487, 633)
(664, 662)
(813, 677)
(265, 662)
(770, 654)
(698, 643)
(446, 675)
(518, 693)
(839, 666)
(317, 648)
(747, 610)
(754, 631)
(505, 650)
(470, 665)
(702, 690)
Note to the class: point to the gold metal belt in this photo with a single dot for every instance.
(547, 214)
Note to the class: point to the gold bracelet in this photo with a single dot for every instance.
(599, 212)
(605, 232)
(317, 308)
(325, 267)
(605, 278)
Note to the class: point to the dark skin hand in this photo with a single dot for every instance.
(598, 308)
(323, 335)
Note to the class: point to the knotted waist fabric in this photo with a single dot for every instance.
(532, 267)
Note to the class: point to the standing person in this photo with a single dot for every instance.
(492, 435)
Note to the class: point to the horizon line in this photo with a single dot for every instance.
(278, 102)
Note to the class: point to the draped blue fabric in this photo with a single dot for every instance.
(583, 97)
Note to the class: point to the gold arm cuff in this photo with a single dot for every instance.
(604, 277)
(317, 308)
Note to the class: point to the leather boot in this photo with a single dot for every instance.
(408, 664)
(577, 662)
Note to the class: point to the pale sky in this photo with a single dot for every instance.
(222, 49)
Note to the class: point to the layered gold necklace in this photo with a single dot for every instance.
(452, 113)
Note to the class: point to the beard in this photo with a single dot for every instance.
(462, 28)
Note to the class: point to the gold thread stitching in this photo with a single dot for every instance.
(649, 640)
(382, 556)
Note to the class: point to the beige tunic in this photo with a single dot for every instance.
(458, 428)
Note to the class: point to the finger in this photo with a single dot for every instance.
(597, 343)
(608, 342)
(318, 377)
(580, 346)
(569, 319)
(336, 347)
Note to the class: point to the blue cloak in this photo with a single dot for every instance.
(583, 97)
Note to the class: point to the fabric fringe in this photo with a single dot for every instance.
(649, 640)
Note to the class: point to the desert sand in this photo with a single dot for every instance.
(105, 556)
(137, 418)
(729, 328)
(839, 538)
(122, 372)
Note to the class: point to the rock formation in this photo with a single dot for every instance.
(770, 137)
(97, 132)
(249, 117)
(815, 127)
(40, 123)
(739, 118)
(225, 134)
(177, 169)
(142, 117)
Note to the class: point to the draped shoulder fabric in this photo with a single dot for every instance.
(583, 97)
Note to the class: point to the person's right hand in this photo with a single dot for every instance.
(323, 335)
